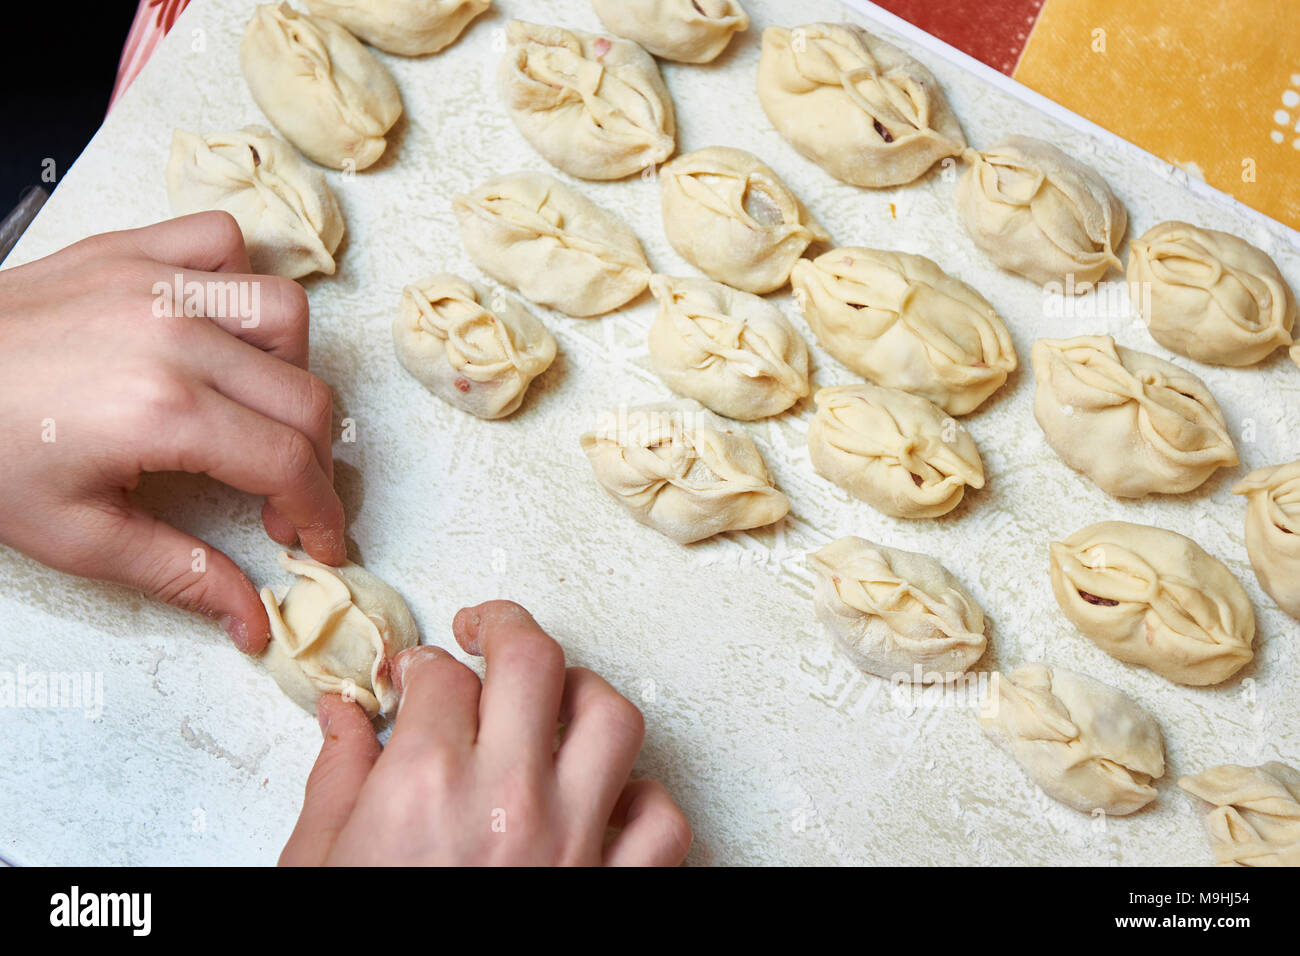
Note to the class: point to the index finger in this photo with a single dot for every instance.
(204, 241)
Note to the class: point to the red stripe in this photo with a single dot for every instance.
(994, 31)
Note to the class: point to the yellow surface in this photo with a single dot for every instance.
(1211, 85)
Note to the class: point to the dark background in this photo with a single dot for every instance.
(57, 73)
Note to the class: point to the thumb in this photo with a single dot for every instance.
(346, 758)
(179, 569)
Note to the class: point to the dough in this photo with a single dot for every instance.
(533, 233)
(902, 322)
(316, 83)
(1212, 297)
(897, 452)
(1085, 743)
(593, 106)
(336, 631)
(1154, 598)
(472, 348)
(1273, 531)
(683, 471)
(859, 107)
(289, 216)
(688, 31)
(1038, 213)
(1256, 815)
(729, 215)
(404, 27)
(1133, 423)
(731, 351)
(898, 615)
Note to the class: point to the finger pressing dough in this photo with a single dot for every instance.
(593, 106)
(317, 84)
(688, 31)
(729, 215)
(898, 615)
(683, 471)
(1209, 295)
(859, 107)
(288, 215)
(1038, 213)
(1273, 531)
(404, 27)
(1087, 744)
(897, 452)
(1133, 423)
(1256, 815)
(902, 322)
(1154, 598)
(558, 248)
(336, 631)
(734, 352)
(474, 349)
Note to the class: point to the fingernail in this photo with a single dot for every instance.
(323, 718)
(236, 629)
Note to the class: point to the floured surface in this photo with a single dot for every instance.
(778, 749)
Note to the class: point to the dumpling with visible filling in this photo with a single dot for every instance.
(678, 468)
(290, 219)
(1273, 531)
(897, 614)
(734, 352)
(1255, 820)
(474, 349)
(897, 452)
(688, 31)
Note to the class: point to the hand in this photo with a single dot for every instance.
(472, 774)
(98, 389)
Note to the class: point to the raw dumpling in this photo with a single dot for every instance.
(593, 106)
(731, 351)
(898, 615)
(902, 322)
(473, 349)
(1038, 213)
(323, 90)
(1154, 598)
(1085, 743)
(404, 27)
(859, 107)
(1256, 815)
(1273, 531)
(535, 234)
(1133, 423)
(683, 471)
(336, 631)
(1209, 295)
(729, 215)
(688, 31)
(897, 452)
(289, 216)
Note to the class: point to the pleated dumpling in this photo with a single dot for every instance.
(286, 211)
(1154, 598)
(733, 352)
(593, 106)
(472, 348)
(1256, 815)
(558, 248)
(1133, 423)
(1041, 214)
(688, 31)
(902, 322)
(1273, 531)
(404, 27)
(729, 215)
(336, 631)
(1210, 295)
(859, 107)
(898, 615)
(319, 86)
(1087, 744)
(680, 469)
(897, 452)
